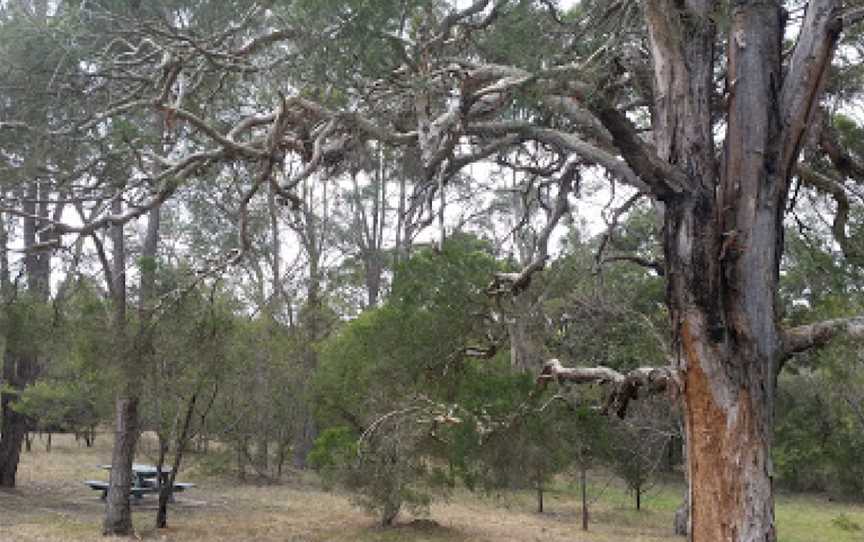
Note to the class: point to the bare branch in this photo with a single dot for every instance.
(226, 142)
(565, 142)
(624, 386)
(825, 184)
(515, 283)
(658, 267)
(263, 41)
(665, 180)
(613, 223)
(808, 69)
(852, 15)
(802, 338)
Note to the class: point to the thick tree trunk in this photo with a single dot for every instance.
(723, 238)
(526, 351)
(118, 513)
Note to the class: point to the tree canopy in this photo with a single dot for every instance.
(297, 153)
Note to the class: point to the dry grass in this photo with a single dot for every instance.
(51, 504)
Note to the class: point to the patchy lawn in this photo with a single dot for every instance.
(52, 504)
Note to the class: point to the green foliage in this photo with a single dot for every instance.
(412, 343)
(525, 36)
(352, 40)
(638, 442)
(618, 318)
(540, 444)
(335, 446)
(386, 471)
(822, 453)
(28, 326)
(819, 427)
(60, 406)
(816, 283)
(387, 359)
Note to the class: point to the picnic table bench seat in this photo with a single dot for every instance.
(137, 491)
(99, 486)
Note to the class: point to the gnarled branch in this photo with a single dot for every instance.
(804, 337)
(623, 386)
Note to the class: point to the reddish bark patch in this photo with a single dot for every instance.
(726, 455)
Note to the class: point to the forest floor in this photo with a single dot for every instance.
(52, 504)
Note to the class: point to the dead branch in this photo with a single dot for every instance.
(623, 387)
(515, 283)
(804, 337)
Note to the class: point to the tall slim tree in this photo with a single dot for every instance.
(118, 514)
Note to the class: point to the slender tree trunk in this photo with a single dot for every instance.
(20, 365)
(10, 424)
(118, 513)
(681, 519)
(313, 325)
(583, 481)
(181, 442)
(242, 453)
(539, 497)
(681, 524)
(403, 239)
(281, 454)
(5, 278)
(13, 427)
